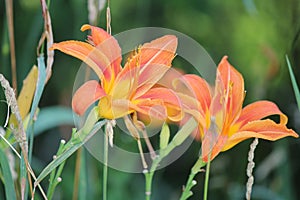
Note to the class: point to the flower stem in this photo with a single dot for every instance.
(105, 168)
(149, 177)
(191, 182)
(206, 179)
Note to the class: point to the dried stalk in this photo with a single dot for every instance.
(47, 34)
(10, 22)
(108, 19)
(250, 168)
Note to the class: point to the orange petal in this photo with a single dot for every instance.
(156, 57)
(212, 146)
(200, 90)
(150, 76)
(109, 46)
(229, 91)
(86, 95)
(114, 109)
(98, 35)
(152, 60)
(125, 85)
(259, 110)
(94, 58)
(264, 129)
(151, 112)
(162, 100)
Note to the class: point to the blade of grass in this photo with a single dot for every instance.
(294, 82)
(23, 176)
(37, 97)
(10, 192)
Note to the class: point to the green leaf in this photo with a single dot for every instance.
(40, 85)
(294, 82)
(36, 99)
(51, 117)
(10, 192)
(77, 140)
(164, 136)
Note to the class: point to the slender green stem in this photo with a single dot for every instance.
(149, 177)
(206, 179)
(191, 182)
(77, 174)
(105, 168)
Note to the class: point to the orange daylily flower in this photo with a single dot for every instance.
(223, 122)
(122, 91)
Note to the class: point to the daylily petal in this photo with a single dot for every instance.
(86, 95)
(229, 91)
(162, 97)
(191, 106)
(148, 64)
(200, 90)
(259, 110)
(109, 46)
(212, 146)
(264, 129)
(98, 35)
(150, 77)
(125, 85)
(114, 108)
(156, 56)
(148, 112)
(94, 58)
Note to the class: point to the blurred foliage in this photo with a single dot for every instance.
(255, 35)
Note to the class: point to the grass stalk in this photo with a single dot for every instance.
(10, 22)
